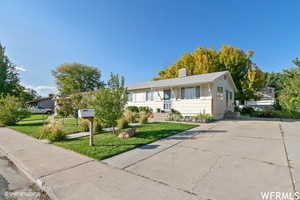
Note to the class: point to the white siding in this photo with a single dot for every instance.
(192, 106)
(219, 99)
(209, 102)
(184, 106)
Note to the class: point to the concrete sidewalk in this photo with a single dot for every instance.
(67, 175)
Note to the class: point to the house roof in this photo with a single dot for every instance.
(182, 81)
(40, 99)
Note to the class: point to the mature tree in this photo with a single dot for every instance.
(289, 95)
(235, 60)
(296, 62)
(75, 77)
(255, 81)
(78, 101)
(9, 81)
(64, 107)
(238, 63)
(109, 102)
(27, 94)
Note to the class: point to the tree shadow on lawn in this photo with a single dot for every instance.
(26, 124)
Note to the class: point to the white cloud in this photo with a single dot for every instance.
(21, 69)
(43, 90)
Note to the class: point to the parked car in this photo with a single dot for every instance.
(38, 110)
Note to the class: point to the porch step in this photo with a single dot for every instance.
(158, 117)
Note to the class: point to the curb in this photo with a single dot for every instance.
(27, 173)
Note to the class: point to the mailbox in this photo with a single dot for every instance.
(86, 113)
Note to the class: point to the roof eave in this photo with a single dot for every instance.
(161, 87)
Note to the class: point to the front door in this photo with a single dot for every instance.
(167, 99)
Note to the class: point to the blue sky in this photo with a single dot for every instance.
(138, 38)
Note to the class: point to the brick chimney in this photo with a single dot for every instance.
(182, 73)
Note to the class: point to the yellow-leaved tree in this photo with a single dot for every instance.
(206, 60)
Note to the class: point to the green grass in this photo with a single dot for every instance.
(36, 117)
(33, 128)
(108, 144)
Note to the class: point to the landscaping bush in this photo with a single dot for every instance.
(53, 131)
(204, 117)
(84, 125)
(247, 110)
(237, 109)
(143, 119)
(130, 116)
(276, 114)
(145, 109)
(175, 115)
(12, 110)
(133, 108)
(122, 123)
(97, 127)
(173, 111)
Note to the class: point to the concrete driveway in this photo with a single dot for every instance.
(226, 160)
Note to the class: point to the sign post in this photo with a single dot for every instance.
(88, 114)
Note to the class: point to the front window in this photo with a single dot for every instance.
(149, 95)
(220, 89)
(129, 95)
(230, 95)
(190, 93)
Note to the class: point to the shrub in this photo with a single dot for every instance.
(12, 110)
(97, 126)
(53, 131)
(145, 109)
(237, 109)
(1, 125)
(175, 115)
(276, 114)
(204, 116)
(173, 111)
(143, 119)
(130, 116)
(122, 123)
(247, 110)
(84, 125)
(133, 108)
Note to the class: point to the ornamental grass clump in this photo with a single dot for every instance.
(52, 131)
(84, 125)
(130, 116)
(143, 117)
(97, 126)
(122, 123)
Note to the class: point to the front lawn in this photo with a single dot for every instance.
(108, 144)
(33, 128)
(36, 117)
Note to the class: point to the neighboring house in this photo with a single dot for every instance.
(266, 101)
(44, 103)
(211, 93)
